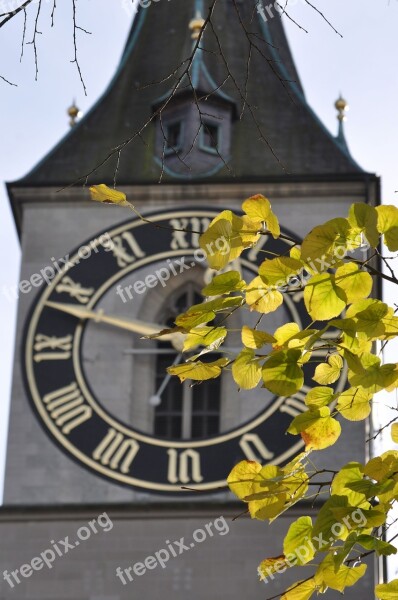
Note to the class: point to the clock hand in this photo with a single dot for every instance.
(156, 399)
(135, 325)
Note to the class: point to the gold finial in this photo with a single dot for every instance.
(341, 106)
(195, 25)
(73, 112)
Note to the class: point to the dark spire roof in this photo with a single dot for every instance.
(159, 42)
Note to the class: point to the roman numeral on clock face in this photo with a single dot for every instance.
(116, 450)
(184, 467)
(126, 249)
(186, 239)
(75, 290)
(62, 347)
(67, 408)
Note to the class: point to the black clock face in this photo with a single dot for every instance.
(102, 392)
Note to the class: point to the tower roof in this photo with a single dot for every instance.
(160, 42)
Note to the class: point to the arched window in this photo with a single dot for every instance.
(183, 411)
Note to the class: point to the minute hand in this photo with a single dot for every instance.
(135, 325)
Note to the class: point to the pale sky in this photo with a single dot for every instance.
(362, 65)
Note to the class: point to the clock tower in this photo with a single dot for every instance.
(105, 450)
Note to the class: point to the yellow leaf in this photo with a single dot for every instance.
(261, 298)
(252, 338)
(267, 508)
(322, 434)
(220, 242)
(382, 467)
(285, 333)
(244, 478)
(394, 433)
(355, 283)
(296, 541)
(354, 404)
(275, 564)
(325, 240)
(387, 224)
(375, 376)
(387, 591)
(277, 271)
(224, 284)
(245, 370)
(258, 208)
(205, 336)
(319, 396)
(193, 319)
(107, 195)
(344, 577)
(350, 473)
(281, 373)
(329, 372)
(323, 298)
(364, 217)
(198, 371)
(301, 590)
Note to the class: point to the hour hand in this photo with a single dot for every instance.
(134, 325)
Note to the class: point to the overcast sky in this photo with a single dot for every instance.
(362, 65)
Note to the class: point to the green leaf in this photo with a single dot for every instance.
(356, 284)
(192, 319)
(350, 473)
(372, 543)
(354, 404)
(225, 283)
(205, 336)
(278, 271)
(364, 217)
(329, 372)
(260, 297)
(387, 224)
(198, 371)
(375, 376)
(344, 577)
(245, 370)
(323, 298)
(252, 338)
(281, 373)
(319, 396)
(326, 520)
(387, 591)
(297, 538)
(324, 240)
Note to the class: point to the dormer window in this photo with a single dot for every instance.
(210, 138)
(173, 136)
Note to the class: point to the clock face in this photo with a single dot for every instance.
(102, 392)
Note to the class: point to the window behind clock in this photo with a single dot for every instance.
(184, 411)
